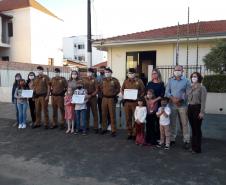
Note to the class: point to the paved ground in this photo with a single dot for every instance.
(47, 157)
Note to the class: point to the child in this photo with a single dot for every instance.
(164, 121)
(69, 111)
(80, 109)
(21, 104)
(152, 125)
(140, 119)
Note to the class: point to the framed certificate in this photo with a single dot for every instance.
(130, 94)
(78, 99)
(27, 93)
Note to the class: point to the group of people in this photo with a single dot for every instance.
(152, 118)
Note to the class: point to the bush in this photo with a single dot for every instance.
(215, 83)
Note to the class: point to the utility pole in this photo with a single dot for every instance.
(177, 47)
(197, 48)
(89, 35)
(187, 42)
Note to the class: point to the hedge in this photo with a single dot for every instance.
(215, 83)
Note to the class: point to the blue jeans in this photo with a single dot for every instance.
(22, 108)
(17, 113)
(80, 114)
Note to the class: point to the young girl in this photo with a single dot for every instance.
(152, 125)
(69, 111)
(80, 109)
(140, 119)
(21, 104)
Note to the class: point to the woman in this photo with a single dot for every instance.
(152, 127)
(14, 100)
(29, 85)
(74, 78)
(196, 109)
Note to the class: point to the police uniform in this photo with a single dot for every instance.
(58, 86)
(130, 105)
(91, 85)
(110, 87)
(41, 91)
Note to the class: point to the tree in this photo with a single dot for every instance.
(215, 60)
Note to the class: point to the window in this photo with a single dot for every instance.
(10, 29)
(81, 46)
(5, 58)
(81, 58)
(50, 61)
(75, 45)
(75, 57)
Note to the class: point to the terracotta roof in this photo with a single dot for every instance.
(101, 64)
(6, 5)
(209, 28)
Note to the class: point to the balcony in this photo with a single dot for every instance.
(6, 30)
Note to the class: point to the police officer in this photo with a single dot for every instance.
(58, 87)
(41, 95)
(132, 82)
(110, 87)
(91, 85)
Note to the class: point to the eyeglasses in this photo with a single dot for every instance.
(154, 73)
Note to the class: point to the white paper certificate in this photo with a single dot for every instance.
(130, 94)
(27, 93)
(78, 99)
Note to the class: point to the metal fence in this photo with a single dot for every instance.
(167, 71)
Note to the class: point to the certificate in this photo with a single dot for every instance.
(78, 99)
(27, 93)
(130, 94)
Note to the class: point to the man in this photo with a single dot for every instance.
(91, 85)
(176, 90)
(58, 87)
(110, 88)
(132, 82)
(41, 95)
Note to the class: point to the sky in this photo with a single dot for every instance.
(118, 17)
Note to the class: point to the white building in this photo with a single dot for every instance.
(75, 48)
(30, 33)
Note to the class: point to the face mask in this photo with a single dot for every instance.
(17, 78)
(131, 75)
(149, 95)
(79, 87)
(40, 72)
(163, 104)
(108, 75)
(89, 74)
(177, 73)
(31, 77)
(101, 73)
(57, 74)
(194, 79)
(74, 76)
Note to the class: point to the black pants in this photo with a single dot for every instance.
(32, 109)
(152, 129)
(196, 123)
(99, 103)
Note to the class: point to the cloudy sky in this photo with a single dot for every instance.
(117, 17)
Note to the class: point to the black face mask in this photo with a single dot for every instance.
(102, 73)
(79, 87)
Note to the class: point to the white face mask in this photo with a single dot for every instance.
(31, 77)
(131, 75)
(194, 79)
(89, 74)
(107, 75)
(17, 78)
(74, 76)
(40, 72)
(177, 73)
(57, 74)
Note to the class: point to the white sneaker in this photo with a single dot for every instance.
(24, 126)
(20, 126)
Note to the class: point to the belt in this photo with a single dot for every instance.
(109, 96)
(130, 100)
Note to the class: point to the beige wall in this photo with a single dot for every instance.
(165, 55)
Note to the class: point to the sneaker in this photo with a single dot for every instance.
(172, 143)
(24, 126)
(129, 137)
(186, 146)
(159, 145)
(20, 126)
(76, 132)
(113, 134)
(167, 147)
(84, 133)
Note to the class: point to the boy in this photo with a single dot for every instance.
(164, 122)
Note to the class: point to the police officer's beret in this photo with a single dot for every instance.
(40, 68)
(132, 70)
(57, 70)
(108, 69)
(91, 70)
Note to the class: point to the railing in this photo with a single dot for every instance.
(167, 71)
